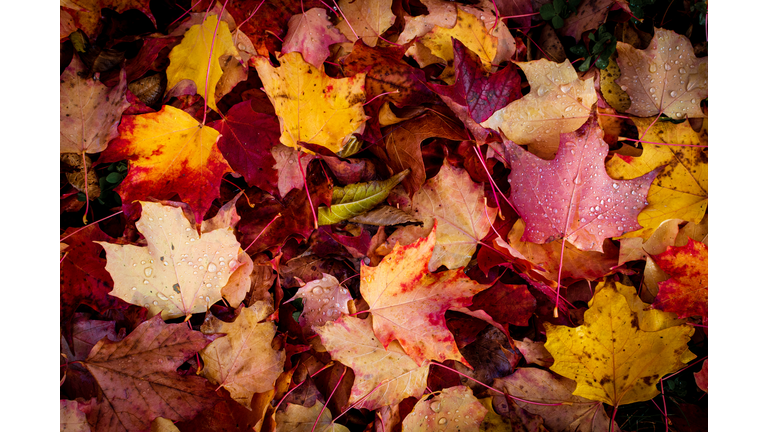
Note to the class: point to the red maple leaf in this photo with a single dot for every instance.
(572, 196)
(687, 292)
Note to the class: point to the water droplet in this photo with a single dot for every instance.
(148, 271)
(652, 68)
(146, 282)
(652, 90)
(623, 88)
(143, 262)
(565, 88)
(154, 302)
(681, 70)
(583, 220)
(162, 296)
(667, 66)
(325, 300)
(212, 267)
(541, 91)
(233, 263)
(133, 288)
(673, 93)
(191, 239)
(693, 101)
(317, 290)
(678, 115)
(615, 185)
(207, 299)
(442, 421)
(208, 285)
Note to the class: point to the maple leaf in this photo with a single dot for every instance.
(687, 292)
(559, 102)
(170, 152)
(139, 379)
(476, 94)
(681, 189)
(401, 148)
(408, 302)
(470, 31)
(84, 278)
(664, 78)
(383, 376)
(506, 304)
(457, 203)
(310, 33)
(572, 196)
(291, 173)
(197, 57)
(368, 18)
(180, 272)
(386, 72)
(611, 358)
(453, 408)
(247, 138)
(243, 361)
(89, 111)
(324, 300)
(298, 418)
(311, 106)
(574, 413)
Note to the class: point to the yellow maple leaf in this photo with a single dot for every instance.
(369, 19)
(243, 361)
(179, 272)
(191, 58)
(680, 190)
(559, 102)
(470, 31)
(311, 106)
(610, 356)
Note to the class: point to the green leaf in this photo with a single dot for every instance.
(580, 50)
(559, 6)
(114, 177)
(356, 199)
(585, 64)
(557, 22)
(601, 63)
(547, 11)
(352, 146)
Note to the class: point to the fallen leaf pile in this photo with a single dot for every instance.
(383, 215)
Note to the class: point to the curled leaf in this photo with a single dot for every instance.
(356, 199)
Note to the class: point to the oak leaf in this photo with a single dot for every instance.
(312, 107)
(89, 111)
(408, 302)
(453, 408)
(169, 152)
(681, 189)
(458, 206)
(310, 33)
(611, 358)
(572, 196)
(383, 376)
(575, 412)
(664, 78)
(180, 272)
(368, 18)
(243, 361)
(686, 293)
(197, 57)
(559, 102)
(298, 418)
(139, 380)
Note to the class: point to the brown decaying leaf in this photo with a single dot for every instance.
(139, 380)
(243, 361)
